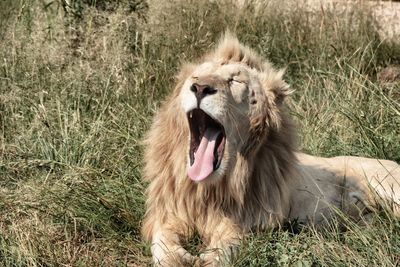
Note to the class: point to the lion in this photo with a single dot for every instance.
(221, 161)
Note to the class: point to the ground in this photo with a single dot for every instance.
(79, 85)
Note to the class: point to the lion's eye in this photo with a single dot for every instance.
(232, 80)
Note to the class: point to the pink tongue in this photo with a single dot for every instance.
(204, 156)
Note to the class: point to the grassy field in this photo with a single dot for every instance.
(79, 86)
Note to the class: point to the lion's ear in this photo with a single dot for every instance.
(274, 86)
(266, 111)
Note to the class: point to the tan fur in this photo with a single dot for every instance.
(265, 182)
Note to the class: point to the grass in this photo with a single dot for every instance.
(79, 86)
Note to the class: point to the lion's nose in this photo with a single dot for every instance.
(202, 91)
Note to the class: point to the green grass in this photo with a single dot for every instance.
(78, 91)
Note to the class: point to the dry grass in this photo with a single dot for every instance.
(78, 90)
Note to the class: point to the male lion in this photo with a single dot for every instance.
(221, 162)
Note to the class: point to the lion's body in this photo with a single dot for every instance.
(261, 181)
(348, 183)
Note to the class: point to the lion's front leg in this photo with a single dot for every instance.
(166, 248)
(224, 243)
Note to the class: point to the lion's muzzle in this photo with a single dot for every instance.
(201, 91)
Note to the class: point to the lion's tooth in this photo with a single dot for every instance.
(191, 114)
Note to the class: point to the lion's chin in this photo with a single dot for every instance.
(207, 145)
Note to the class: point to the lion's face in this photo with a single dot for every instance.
(218, 99)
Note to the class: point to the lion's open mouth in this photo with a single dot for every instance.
(207, 144)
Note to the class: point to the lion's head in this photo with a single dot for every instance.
(221, 139)
(231, 101)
